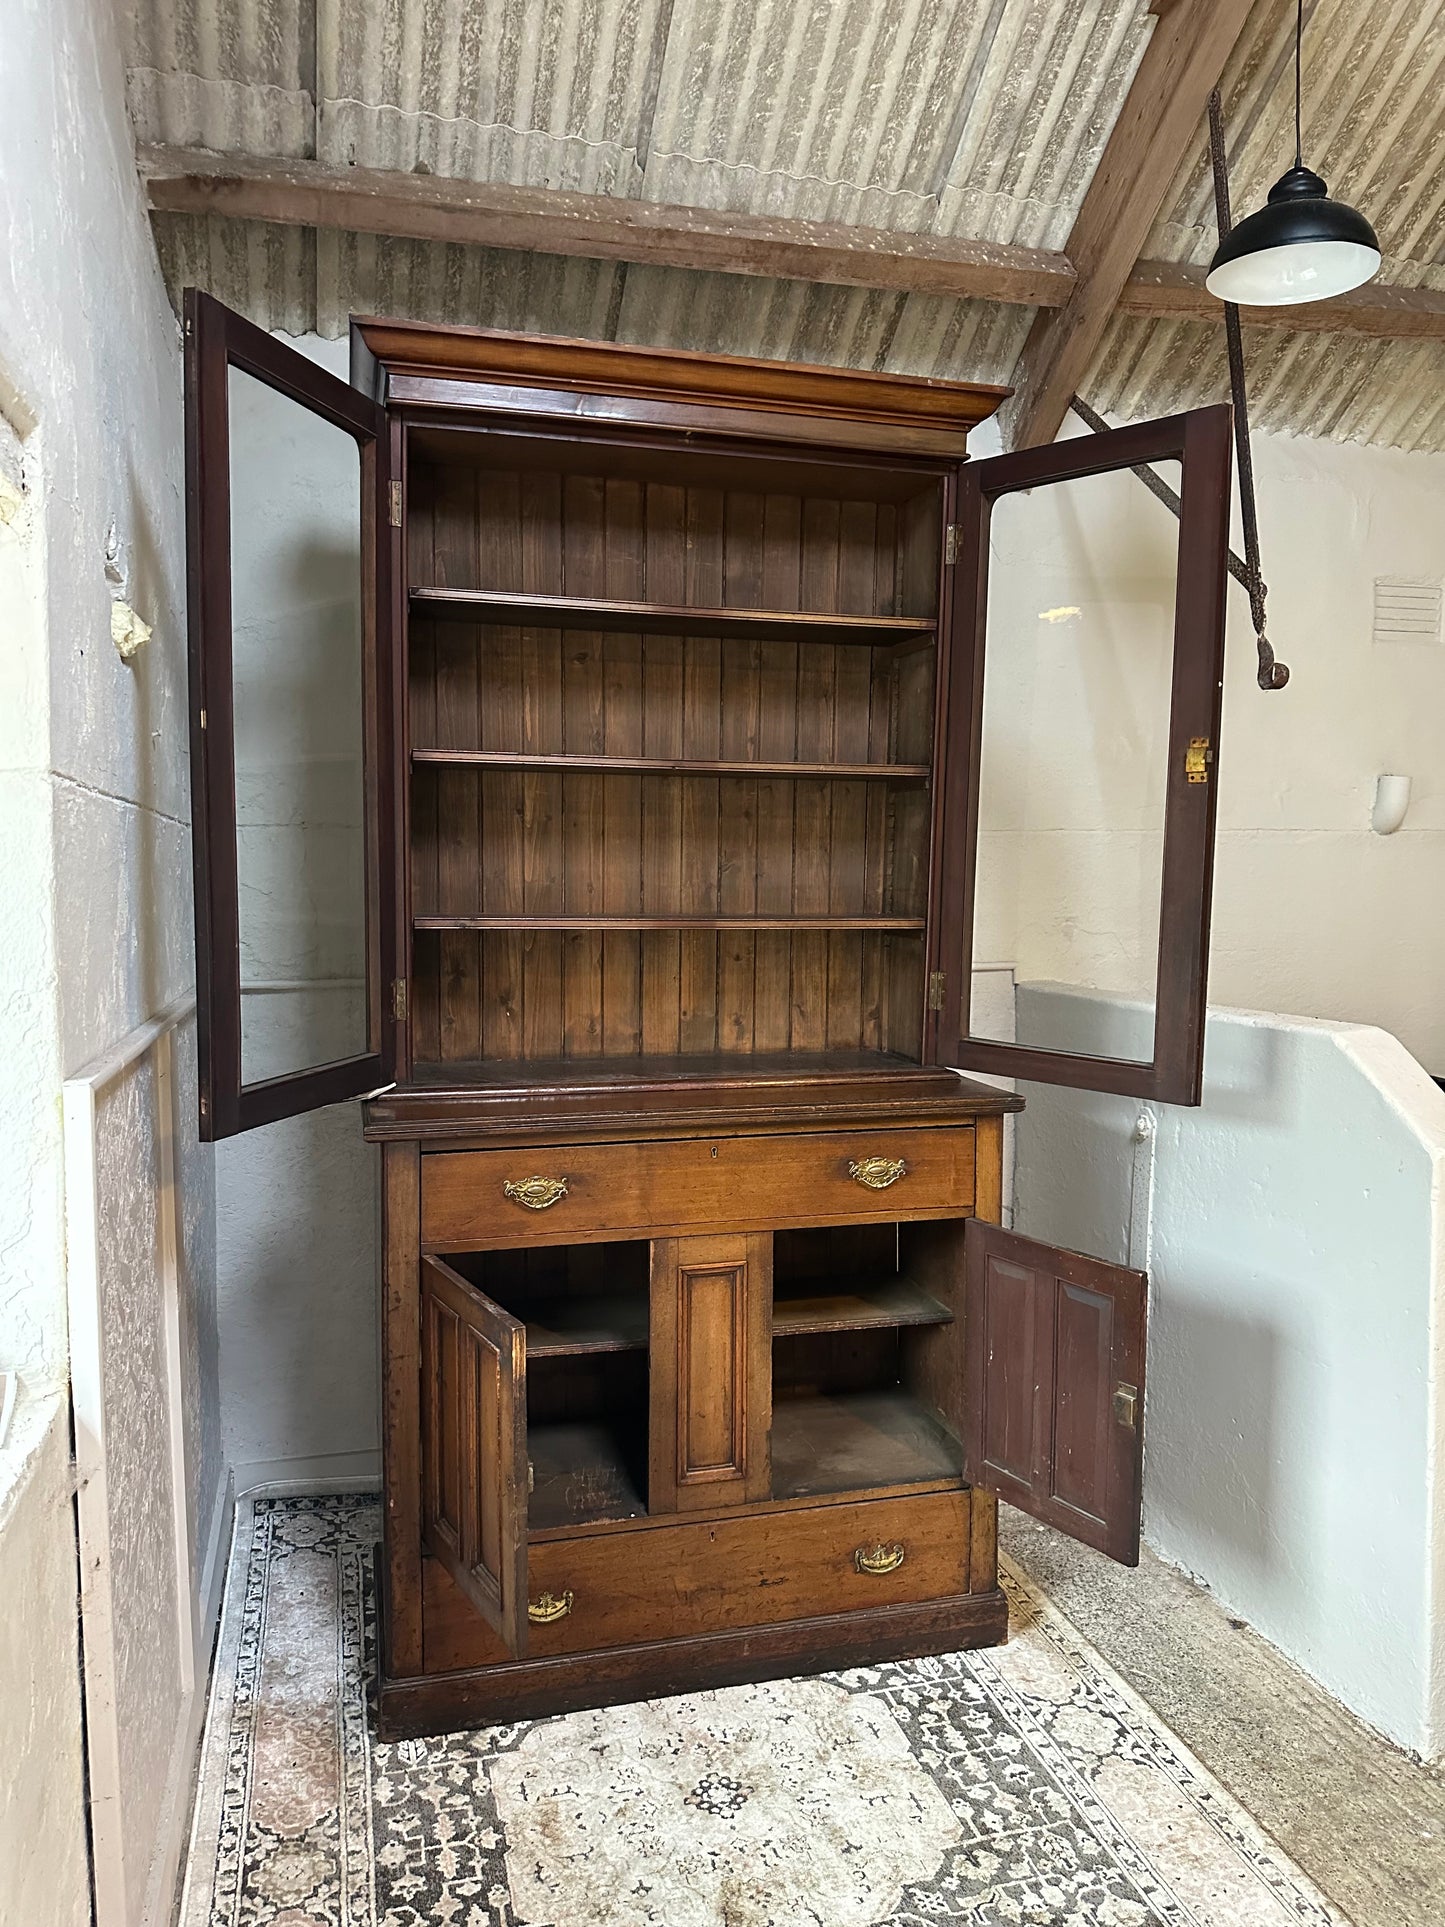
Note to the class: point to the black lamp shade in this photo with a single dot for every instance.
(1301, 246)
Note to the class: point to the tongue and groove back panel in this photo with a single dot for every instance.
(510, 848)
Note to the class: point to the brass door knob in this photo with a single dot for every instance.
(551, 1607)
(879, 1559)
(537, 1194)
(877, 1173)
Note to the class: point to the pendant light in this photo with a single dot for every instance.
(1300, 246)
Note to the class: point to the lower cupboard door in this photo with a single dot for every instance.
(474, 1447)
(1054, 1348)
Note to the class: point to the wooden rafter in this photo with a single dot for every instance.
(551, 221)
(427, 207)
(1162, 113)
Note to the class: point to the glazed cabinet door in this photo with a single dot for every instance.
(710, 1372)
(1054, 1371)
(1085, 672)
(474, 1447)
(289, 559)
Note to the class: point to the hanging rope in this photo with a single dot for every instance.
(1272, 674)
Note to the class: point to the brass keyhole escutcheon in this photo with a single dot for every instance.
(877, 1173)
(551, 1607)
(537, 1194)
(879, 1559)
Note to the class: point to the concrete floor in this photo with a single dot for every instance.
(1364, 1820)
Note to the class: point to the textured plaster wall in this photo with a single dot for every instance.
(1294, 1234)
(95, 842)
(1313, 913)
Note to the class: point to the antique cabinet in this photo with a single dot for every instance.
(654, 682)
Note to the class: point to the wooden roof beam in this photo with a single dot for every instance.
(1161, 115)
(542, 220)
(429, 207)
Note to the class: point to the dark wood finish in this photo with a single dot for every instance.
(866, 1636)
(1055, 1362)
(401, 1423)
(564, 1327)
(216, 340)
(639, 1188)
(474, 1447)
(710, 1389)
(581, 1473)
(749, 1569)
(677, 654)
(850, 1441)
(676, 765)
(888, 1302)
(619, 371)
(658, 619)
(646, 1099)
(681, 725)
(668, 923)
(1200, 442)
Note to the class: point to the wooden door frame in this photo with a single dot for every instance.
(1200, 442)
(217, 340)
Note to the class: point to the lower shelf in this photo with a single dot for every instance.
(852, 1441)
(582, 1473)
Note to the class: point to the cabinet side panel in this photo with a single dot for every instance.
(401, 1407)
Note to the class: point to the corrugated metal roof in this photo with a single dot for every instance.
(971, 117)
(1374, 126)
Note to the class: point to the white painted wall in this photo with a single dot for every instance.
(95, 844)
(1294, 1230)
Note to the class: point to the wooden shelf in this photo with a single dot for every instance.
(851, 1442)
(855, 1307)
(667, 619)
(668, 923)
(566, 1327)
(579, 1474)
(668, 766)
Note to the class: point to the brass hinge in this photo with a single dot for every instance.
(396, 505)
(398, 999)
(1197, 759)
(1126, 1405)
(935, 990)
(950, 543)
(203, 719)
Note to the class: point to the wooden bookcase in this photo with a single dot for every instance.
(705, 1357)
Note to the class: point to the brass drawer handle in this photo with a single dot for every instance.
(551, 1607)
(877, 1173)
(879, 1559)
(538, 1194)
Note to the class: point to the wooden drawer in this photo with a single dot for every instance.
(715, 1184)
(675, 1581)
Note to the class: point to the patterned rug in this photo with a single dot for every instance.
(1026, 1785)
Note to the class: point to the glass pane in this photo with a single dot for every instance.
(1078, 661)
(298, 689)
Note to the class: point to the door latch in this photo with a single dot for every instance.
(1197, 759)
(1126, 1405)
